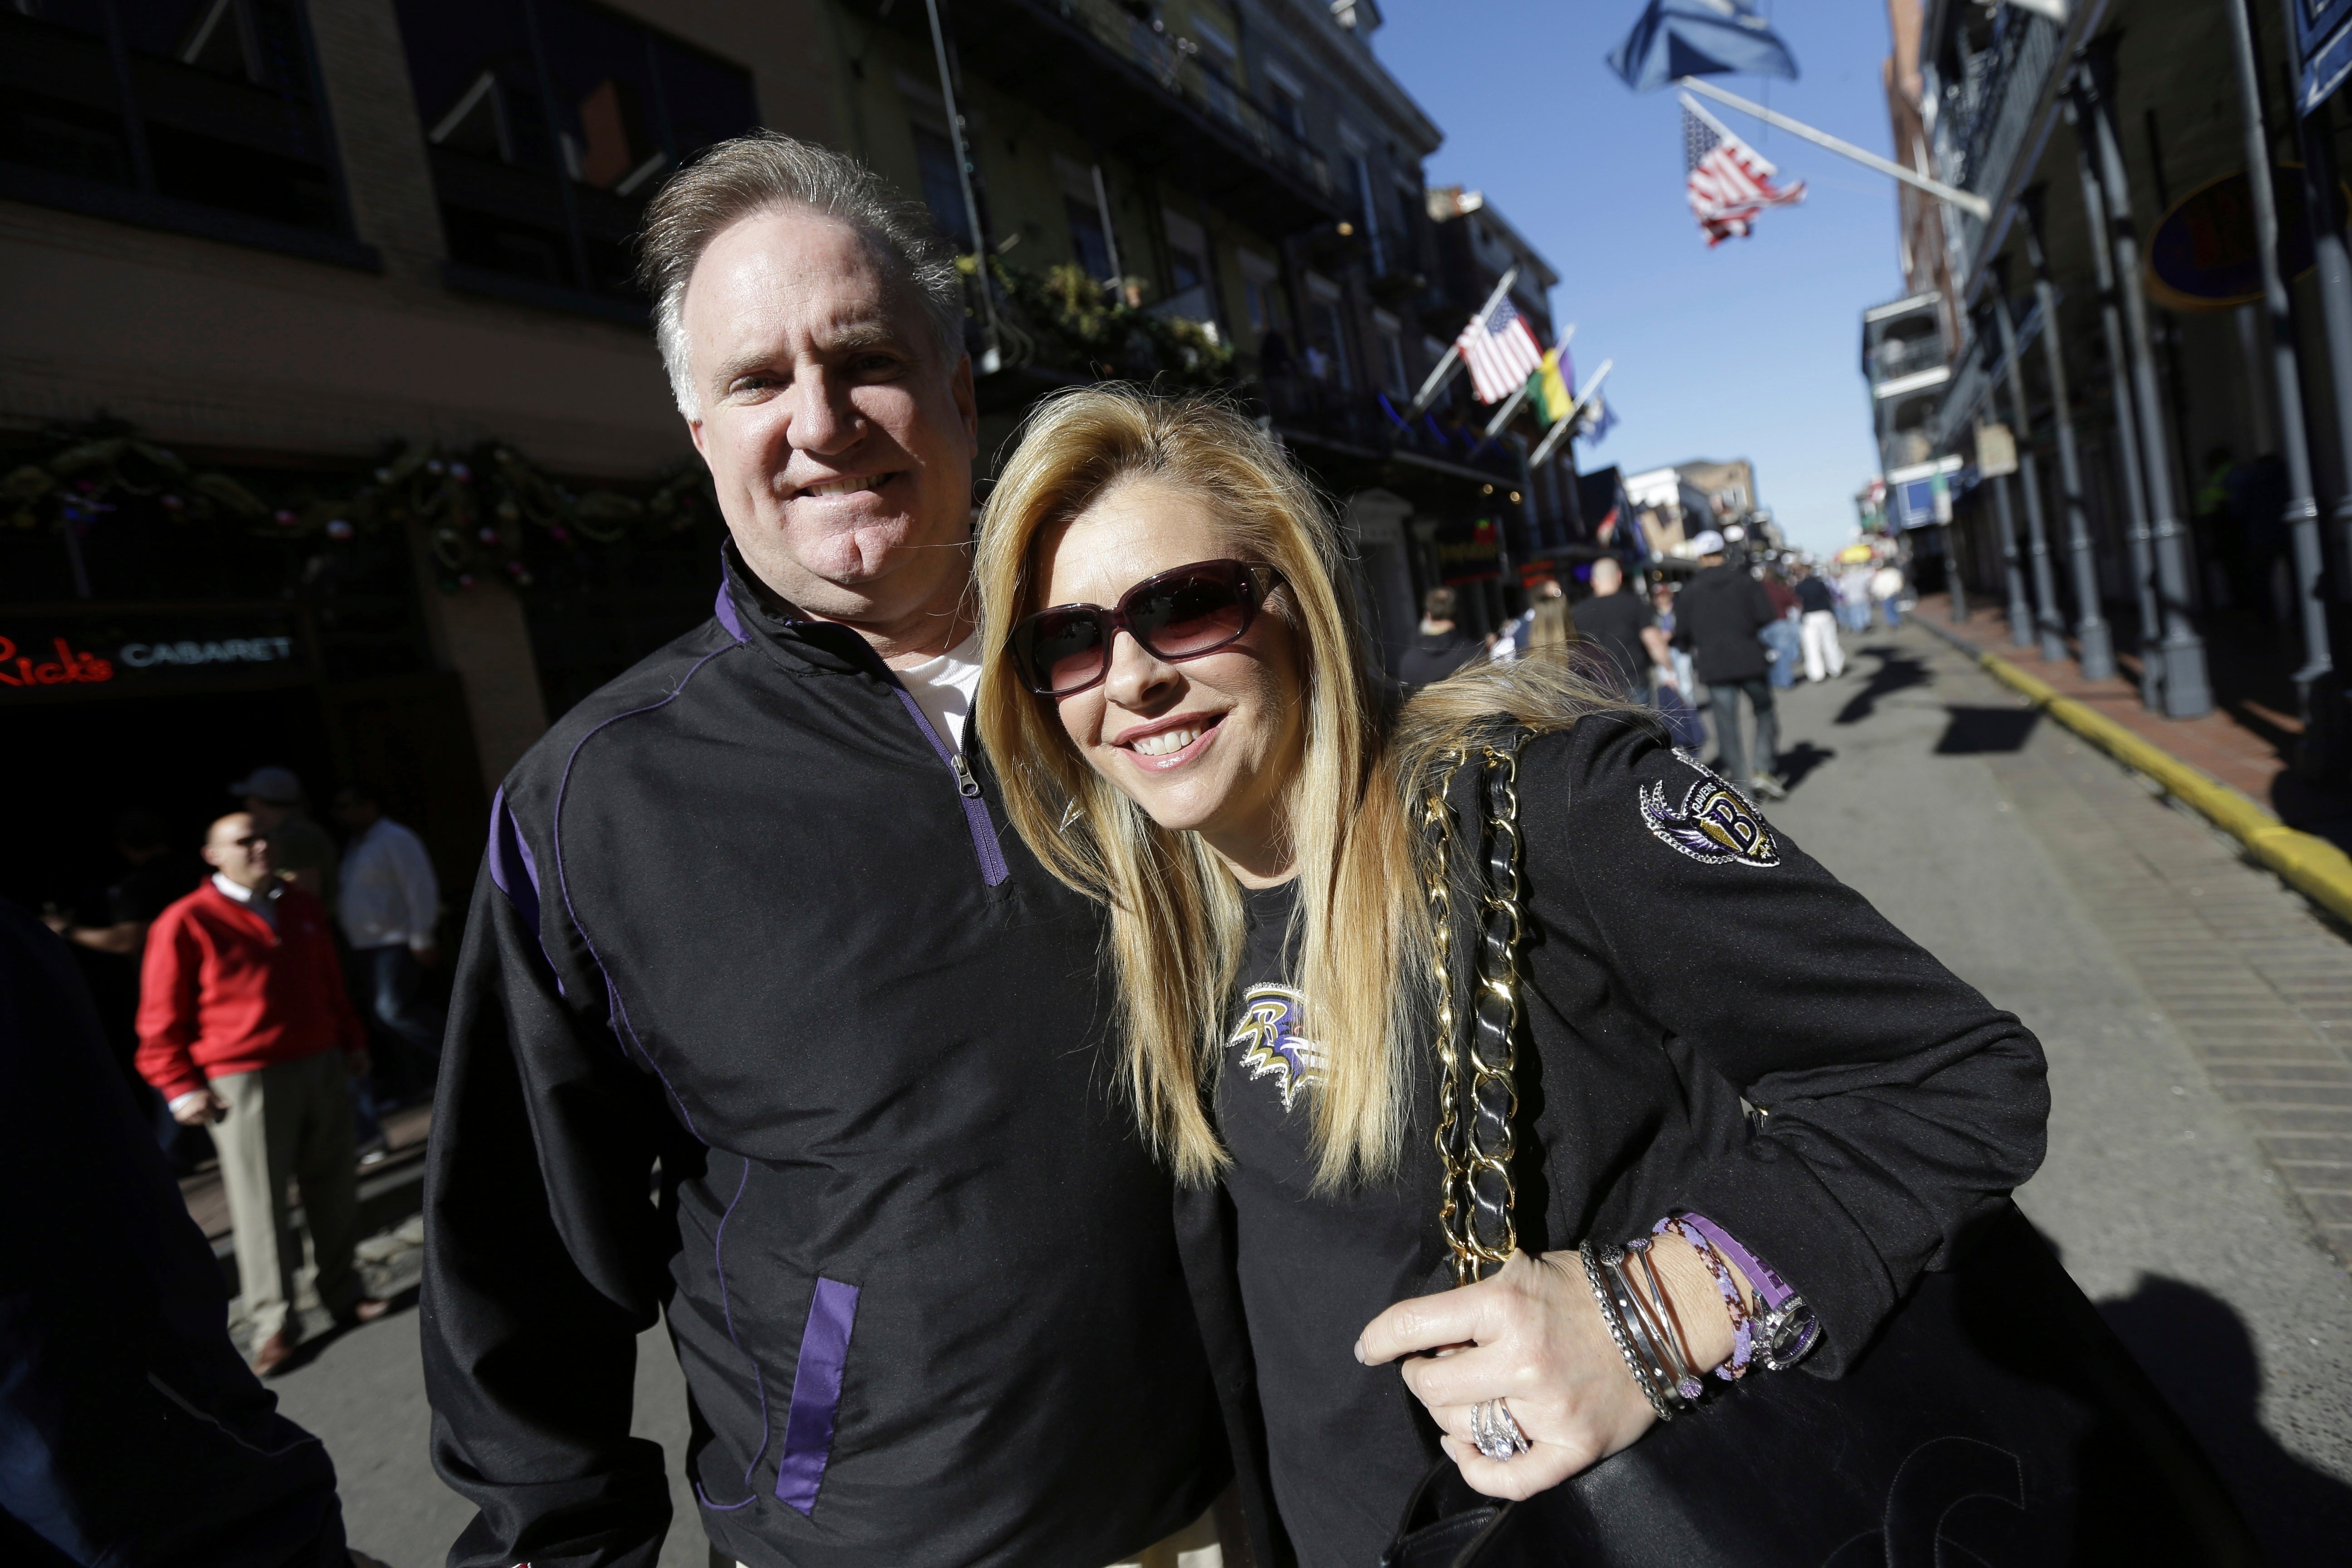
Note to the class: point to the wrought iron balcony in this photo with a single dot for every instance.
(1144, 95)
(1987, 101)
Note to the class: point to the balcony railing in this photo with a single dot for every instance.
(1986, 112)
(1371, 425)
(1175, 63)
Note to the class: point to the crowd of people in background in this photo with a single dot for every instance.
(265, 997)
(1736, 628)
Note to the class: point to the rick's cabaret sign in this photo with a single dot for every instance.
(124, 657)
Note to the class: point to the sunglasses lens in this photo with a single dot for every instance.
(1187, 615)
(1065, 650)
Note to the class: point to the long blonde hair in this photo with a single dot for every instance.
(1176, 923)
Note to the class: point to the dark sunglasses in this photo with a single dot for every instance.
(1177, 615)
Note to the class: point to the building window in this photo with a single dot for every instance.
(1391, 332)
(1286, 102)
(1327, 356)
(935, 161)
(1188, 265)
(548, 124)
(199, 115)
(1091, 246)
(1360, 175)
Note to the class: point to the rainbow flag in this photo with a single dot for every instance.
(1552, 391)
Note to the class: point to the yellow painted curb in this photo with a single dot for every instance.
(2309, 863)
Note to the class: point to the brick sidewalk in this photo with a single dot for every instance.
(2259, 985)
(2243, 743)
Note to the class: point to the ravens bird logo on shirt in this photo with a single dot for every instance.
(1271, 1045)
(1714, 825)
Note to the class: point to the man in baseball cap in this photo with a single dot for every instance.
(305, 856)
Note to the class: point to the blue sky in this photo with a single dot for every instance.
(1749, 350)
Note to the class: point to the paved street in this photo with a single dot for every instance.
(2187, 1002)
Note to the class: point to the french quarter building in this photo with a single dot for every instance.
(2089, 398)
(332, 434)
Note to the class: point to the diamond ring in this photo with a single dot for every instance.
(1496, 1432)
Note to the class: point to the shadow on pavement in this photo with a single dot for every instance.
(1974, 730)
(2198, 1351)
(1800, 759)
(1896, 671)
(311, 1348)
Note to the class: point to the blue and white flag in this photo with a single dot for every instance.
(1675, 39)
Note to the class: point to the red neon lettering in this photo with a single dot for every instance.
(67, 668)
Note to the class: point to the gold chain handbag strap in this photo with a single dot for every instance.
(1477, 1113)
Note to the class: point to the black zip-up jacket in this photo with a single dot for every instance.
(1718, 616)
(744, 920)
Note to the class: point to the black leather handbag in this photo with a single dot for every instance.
(1996, 1422)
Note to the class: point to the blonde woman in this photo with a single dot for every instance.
(1177, 695)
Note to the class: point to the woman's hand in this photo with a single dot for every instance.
(1533, 1336)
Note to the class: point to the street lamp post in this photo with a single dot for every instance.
(2029, 477)
(2097, 653)
(2302, 516)
(2186, 693)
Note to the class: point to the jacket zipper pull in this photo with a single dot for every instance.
(966, 785)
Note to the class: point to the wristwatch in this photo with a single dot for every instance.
(1786, 1331)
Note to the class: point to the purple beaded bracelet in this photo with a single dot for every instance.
(1743, 1330)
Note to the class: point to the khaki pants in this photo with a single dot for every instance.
(290, 1120)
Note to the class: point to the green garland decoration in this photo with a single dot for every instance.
(1064, 319)
(475, 506)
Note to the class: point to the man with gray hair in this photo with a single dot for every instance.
(765, 1024)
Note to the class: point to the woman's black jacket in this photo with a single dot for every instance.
(1682, 957)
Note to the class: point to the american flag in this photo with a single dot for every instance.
(1501, 350)
(1728, 181)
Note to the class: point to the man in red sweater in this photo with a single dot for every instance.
(241, 1009)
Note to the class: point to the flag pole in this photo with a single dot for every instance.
(1975, 206)
(1438, 377)
(1558, 432)
(1503, 414)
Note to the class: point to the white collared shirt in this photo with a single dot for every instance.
(389, 894)
(264, 904)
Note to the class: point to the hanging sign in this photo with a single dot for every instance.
(2323, 47)
(1996, 451)
(2202, 256)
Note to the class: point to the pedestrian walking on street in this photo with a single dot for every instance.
(751, 934)
(390, 905)
(1817, 626)
(1624, 630)
(1904, 1106)
(1717, 616)
(1781, 639)
(107, 930)
(1440, 646)
(244, 1025)
(1853, 598)
(1887, 593)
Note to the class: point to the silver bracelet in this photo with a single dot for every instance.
(1615, 1323)
(1684, 1368)
(1647, 1337)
